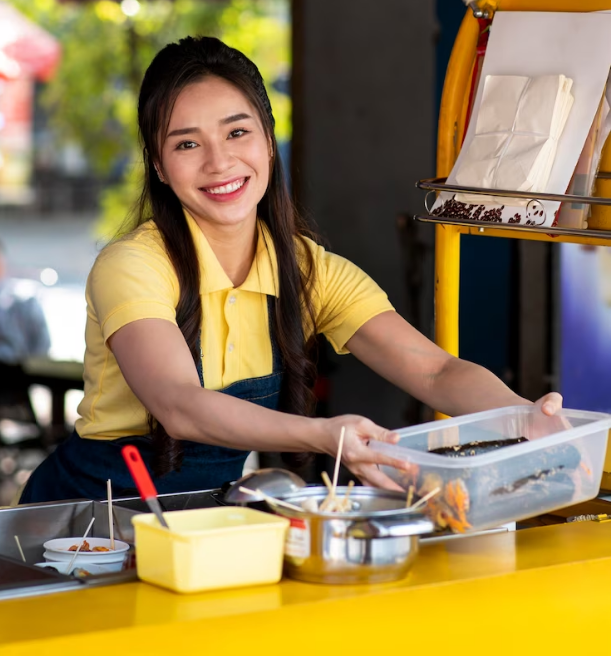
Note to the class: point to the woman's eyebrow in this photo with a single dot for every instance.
(225, 121)
(180, 131)
(235, 117)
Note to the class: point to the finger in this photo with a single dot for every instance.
(368, 430)
(361, 453)
(550, 403)
(373, 477)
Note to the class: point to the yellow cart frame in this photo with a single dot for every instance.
(452, 115)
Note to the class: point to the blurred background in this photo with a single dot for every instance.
(69, 171)
(355, 88)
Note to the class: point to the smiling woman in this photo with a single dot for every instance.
(201, 321)
(216, 157)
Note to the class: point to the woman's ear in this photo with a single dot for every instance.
(159, 174)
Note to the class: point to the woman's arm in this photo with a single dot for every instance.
(397, 351)
(158, 367)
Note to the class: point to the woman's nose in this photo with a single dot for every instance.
(218, 158)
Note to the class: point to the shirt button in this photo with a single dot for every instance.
(232, 299)
(230, 348)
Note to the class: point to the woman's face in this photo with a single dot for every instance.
(216, 157)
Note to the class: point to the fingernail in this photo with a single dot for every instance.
(548, 407)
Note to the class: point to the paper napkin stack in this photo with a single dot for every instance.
(518, 126)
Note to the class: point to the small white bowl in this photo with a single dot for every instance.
(58, 550)
(93, 569)
(82, 561)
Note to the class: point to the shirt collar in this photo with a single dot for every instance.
(262, 277)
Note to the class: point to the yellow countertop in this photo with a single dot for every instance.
(542, 590)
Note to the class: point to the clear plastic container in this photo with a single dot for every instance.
(210, 548)
(492, 478)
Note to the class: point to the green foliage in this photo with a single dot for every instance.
(92, 100)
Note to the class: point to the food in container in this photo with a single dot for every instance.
(376, 541)
(210, 548)
(60, 550)
(502, 465)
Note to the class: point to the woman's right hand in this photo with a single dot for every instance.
(356, 455)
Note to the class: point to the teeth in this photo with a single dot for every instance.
(228, 188)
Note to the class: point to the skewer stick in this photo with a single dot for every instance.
(425, 498)
(338, 459)
(324, 504)
(272, 500)
(410, 496)
(345, 502)
(80, 545)
(111, 527)
(19, 547)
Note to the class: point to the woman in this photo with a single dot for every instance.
(200, 321)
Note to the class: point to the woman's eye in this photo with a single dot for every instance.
(238, 132)
(186, 145)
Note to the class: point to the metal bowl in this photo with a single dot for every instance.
(376, 541)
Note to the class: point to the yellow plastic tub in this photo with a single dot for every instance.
(210, 548)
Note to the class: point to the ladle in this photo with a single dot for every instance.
(273, 482)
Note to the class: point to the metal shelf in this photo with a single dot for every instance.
(510, 229)
(513, 227)
(439, 184)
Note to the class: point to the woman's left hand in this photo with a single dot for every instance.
(550, 403)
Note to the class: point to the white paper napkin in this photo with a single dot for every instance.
(518, 126)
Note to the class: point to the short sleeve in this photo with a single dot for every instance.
(131, 281)
(347, 298)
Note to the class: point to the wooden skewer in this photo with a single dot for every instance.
(326, 480)
(425, 498)
(111, 527)
(410, 496)
(272, 500)
(19, 547)
(345, 503)
(80, 545)
(338, 459)
(327, 503)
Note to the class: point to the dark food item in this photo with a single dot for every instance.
(541, 475)
(476, 497)
(476, 448)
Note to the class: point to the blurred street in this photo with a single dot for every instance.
(48, 257)
(53, 256)
(62, 242)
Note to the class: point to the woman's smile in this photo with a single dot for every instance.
(227, 191)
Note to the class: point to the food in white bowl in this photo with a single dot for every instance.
(63, 549)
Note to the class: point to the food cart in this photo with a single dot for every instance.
(536, 590)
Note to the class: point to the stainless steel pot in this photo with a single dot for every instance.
(377, 541)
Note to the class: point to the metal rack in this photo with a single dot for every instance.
(436, 185)
(452, 121)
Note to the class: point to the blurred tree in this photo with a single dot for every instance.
(92, 100)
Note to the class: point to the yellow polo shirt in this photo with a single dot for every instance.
(134, 279)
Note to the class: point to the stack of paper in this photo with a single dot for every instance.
(518, 126)
(575, 215)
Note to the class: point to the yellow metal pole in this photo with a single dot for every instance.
(447, 284)
(454, 102)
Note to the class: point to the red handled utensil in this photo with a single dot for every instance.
(143, 481)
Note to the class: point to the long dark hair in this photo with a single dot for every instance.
(176, 66)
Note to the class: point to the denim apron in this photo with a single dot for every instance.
(79, 468)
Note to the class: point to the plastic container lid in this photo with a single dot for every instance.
(502, 465)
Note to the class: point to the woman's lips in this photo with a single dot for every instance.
(221, 195)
